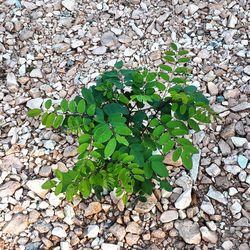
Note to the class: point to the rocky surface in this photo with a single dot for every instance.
(49, 49)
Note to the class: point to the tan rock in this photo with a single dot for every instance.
(17, 225)
(9, 188)
(93, 208)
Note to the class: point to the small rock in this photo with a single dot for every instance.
(11, 82)
(192, 8)
(196, 166)
(228, 131)
(168, 216)
(25, 34)
(242, 160)
(65, 245)
(239, 141)
(124, 39)
(232, 21)
(239, 128)
(70, 151)
(60, 47)
(185, 182)
(155, 55)
(212, 88)
(92, 231)
(36, 73)
(207, 207)
(99, 50)
(159, 234)
(231, 93)
(132, 239)
(76, 43)
(224, 148)
(247, 70)
(243, 222)
(69, 4)
(209, 77)
(108, 39)
(184, 199)
(133, 228)
(34, 103)
(241, 107)
(59, 232)
(11, 162)
(216, 195)
(49, 144)
(17, 224)
(227, 245)
(69, 214)
(208, 235)
(118, 231)
(36, 187)
(235, 208)
(189, 231)
(145, 207)
(161, 19)
(93, 208)
(128, 52)
(213, 170)
(9, 188)
(232, 191)
(244, 246)
(107, 246)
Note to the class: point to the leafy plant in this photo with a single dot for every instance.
(125, 125)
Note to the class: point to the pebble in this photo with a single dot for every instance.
(207, 207)
(189, 231)
(241, 107)
(238, 141)
(17, 225)
(232, 21)
(242, 160)
(36, 73)
(59, 232)
(108, 39)
(235, 208)
(11, 82)
(118, 231)
(145, 207)
(99, 50)
(92, 231)
(213, 170)
(216, 195)
(108, 246)
(227, 245)
(184, 199)
(212, 88)
(208, 235)
(9, 188)
(36, 187)
(93, 208)
(69, 4)
(169, 216)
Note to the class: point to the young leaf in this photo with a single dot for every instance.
(177, 154)
(58, 121)
(72, 106)
(159, 168)
(122, 140)
(49, 184)
(64, 105)
(166, 185)
(34, 112)
(110, 148)
(81, 106)
(119, 64)
(173, 46)
(85, 188)
(103, 133)
(48, 104)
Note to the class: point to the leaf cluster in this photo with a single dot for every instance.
(125, 125)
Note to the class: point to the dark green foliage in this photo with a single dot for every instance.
(122, 122)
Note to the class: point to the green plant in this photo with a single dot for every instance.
(126, 124)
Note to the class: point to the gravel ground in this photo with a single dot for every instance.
(49, 49)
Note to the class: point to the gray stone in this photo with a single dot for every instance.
(235, 208)
(108, 39)
(168, 216)
(216, 195)
(228, 131)
(196, 164)
(244, 246)
(224, 148)
(133, 228)
(213, 170)
(69, 4)
(70, 151)
(247, 70)
(36, 73)
(243, 222)
(208, 235)
(212, 88)
(25, 34)
(59, 232)
(60, 47)
(107, 246)
(11, 82)
(118, 231)
(9, 188)
(92, 231)
(17, 225)
(207, 207)
(241, 107)
(36, 187)
(189, 231)
(145, 207)
(184, 200)
(227, 245)
(34, 103)
(239, 141)
(232, 21)
(99, 50)
(10, 163)
(184, 181)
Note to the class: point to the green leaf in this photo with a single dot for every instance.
(139, 177)
(48, 104)
(115, 108)
(178, 131)
(169, 53)
(64, 105)
(110, 148)
(122, 130)
(58, 121)
(164, 76)
(103, 133)
(177, 154)
(190, 89)
(44, 118)
(194, 125)
(81, 106)
(182, 70)
(178, 80)
(166, 185)
(49, 184)
(84, 138)
(85, 188)
(183, 52)
(168, 146)
(158, 131)
(183, 141)
(147, 187)
(169, 58)
(119, 64)
(34, 112)
(91, 110)
(147, 170)
(122, 140)
(154, 122)
(164, 138)
(165, 67)
(184, 60)
(82, 148)
(59, 188)
(72, 106)
(159, 168)
(122, 98)
(173, 46)
(50, 120)
(186, 160)
(137, 171)
(88, 96)
(151, 76)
